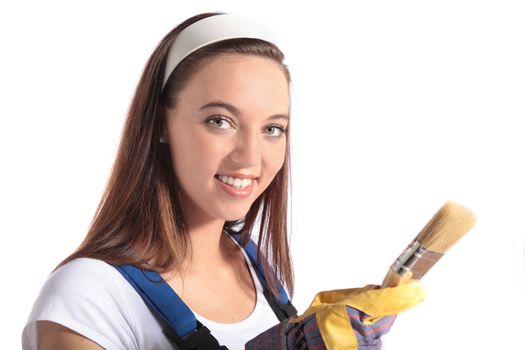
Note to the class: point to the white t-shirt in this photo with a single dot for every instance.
(92, 298)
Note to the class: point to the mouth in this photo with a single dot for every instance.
(236, 182)
(238, 187)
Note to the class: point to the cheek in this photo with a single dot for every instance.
(278, 159)
(194, 154)
(274, 161)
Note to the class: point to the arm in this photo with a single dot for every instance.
(53, 336)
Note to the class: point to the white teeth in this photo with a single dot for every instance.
(235, 182)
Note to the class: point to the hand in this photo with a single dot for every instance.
(349, 319)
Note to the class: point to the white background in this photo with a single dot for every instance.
(398, 106)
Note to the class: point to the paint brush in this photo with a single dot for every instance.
(447, 226)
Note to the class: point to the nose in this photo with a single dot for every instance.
(246, 150)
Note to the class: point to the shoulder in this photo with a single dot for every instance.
(83, 275)
(82, 269)
(83, 283)
(89, 297)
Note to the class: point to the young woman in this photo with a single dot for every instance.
(204, 152)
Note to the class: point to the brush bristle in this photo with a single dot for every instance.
(446, 227)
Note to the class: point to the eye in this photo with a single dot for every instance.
(219, 122)
(275, 131)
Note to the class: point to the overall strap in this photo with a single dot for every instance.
(183, 329)
(280, 304)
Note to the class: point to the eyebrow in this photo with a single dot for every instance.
(235, 111)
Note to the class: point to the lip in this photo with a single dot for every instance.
(237, 192)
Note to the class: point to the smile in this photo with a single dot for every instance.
(234, 181)
(235, 186)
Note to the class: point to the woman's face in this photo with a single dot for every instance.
(227, 135)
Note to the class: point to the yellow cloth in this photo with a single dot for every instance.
(331, 316)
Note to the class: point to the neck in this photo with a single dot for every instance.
(208, 245)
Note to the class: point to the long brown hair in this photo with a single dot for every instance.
(139, 219)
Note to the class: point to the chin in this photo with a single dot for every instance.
(234, 215)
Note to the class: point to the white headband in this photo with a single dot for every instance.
(211, 30)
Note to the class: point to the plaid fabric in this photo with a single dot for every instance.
(273, 338)
(369, 335)
(289, 336)
(306, 335)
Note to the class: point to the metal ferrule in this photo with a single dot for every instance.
(415, 261)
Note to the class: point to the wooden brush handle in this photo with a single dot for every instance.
(393, 279)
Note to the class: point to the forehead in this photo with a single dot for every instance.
(243, 80)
